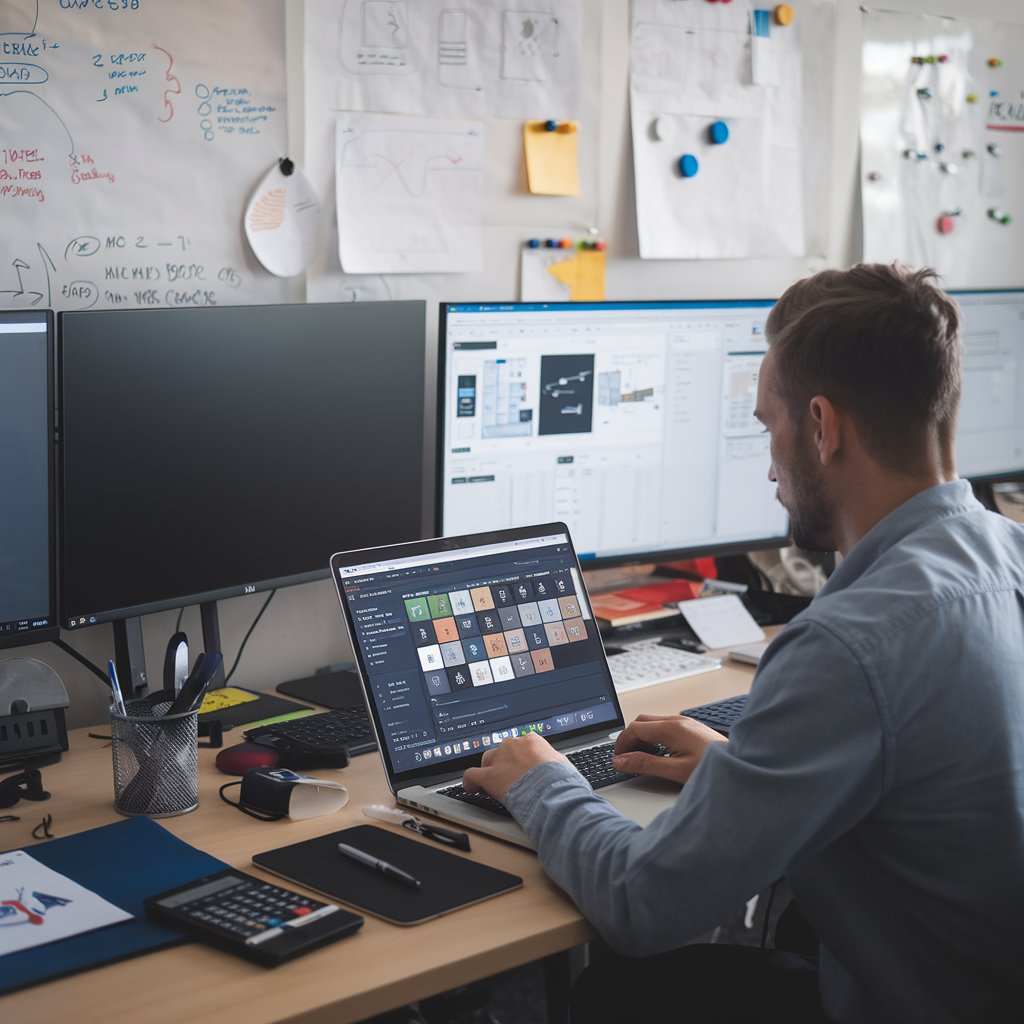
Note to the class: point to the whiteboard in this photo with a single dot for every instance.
(942, 142)
(131, 135)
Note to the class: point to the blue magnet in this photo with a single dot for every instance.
(718, 132)
(534, 243)
(551, 243)
(688, 165)
(551, 126)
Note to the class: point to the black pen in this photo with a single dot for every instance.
(376, 864)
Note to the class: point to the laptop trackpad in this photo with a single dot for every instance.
(641, 800)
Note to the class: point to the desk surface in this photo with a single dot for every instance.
(383, 966)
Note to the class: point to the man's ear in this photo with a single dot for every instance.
(826, 427)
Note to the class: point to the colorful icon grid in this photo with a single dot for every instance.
(494, 634)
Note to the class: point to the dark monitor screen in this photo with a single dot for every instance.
(214, 452)
(632, 422)
(28, 612)
(990, 428)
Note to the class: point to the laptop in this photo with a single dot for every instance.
(462, 643)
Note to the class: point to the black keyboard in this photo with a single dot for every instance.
(593, 763)
(721, 715)
(345, 727)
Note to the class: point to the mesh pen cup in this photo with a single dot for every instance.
(156, 760)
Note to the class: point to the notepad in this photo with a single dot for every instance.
(552, 158)
(450, 881)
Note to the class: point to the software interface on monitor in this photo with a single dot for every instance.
(630, 422)
(990, 435)
(464, 649)
(25, 567)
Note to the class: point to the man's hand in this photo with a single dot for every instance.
(503, 766)
(683, 740)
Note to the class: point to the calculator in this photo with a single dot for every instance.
(252, 918)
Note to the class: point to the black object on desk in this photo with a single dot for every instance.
(252, 918)
(449, 881)
(318, 741)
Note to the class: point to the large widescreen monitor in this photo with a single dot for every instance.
(28, 604)
(990, 433)
(632, 422)
(214, 452)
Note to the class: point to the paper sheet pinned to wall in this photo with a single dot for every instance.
(691, 65)
(928, 130)
(409, 194)
(132, 139)
(516, 58)
(562, 275)
(282, 221)
(552, 158)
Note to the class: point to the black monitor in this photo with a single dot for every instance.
(632, 422)
(28, 604)
(990, 430)
(208, 453)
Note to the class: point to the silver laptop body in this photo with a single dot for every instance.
(390, 595)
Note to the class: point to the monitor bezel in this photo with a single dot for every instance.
(650, 555)
(255, 586)
(1015, 475)
(443, 545)
(44, 634)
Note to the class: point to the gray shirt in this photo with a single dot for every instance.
(879, 767)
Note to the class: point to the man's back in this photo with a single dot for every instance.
(920, 906)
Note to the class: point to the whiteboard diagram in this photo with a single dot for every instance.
(942, 146)
(409, 194)
(129, 143)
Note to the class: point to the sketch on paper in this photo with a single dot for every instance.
(375, 37)
(445, 58)
(409, 193)
(530, 45)
(457, 65)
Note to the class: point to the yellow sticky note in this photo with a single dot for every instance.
(224, 698)
(583, 274)
(552, 158)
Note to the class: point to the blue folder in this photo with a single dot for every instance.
(123, 863)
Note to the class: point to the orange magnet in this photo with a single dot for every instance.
(784, 14)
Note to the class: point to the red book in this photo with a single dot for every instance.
(642, 604)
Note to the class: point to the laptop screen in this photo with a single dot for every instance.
(465, 642)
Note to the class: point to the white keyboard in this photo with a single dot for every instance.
(647, 662)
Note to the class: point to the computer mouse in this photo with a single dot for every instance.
(243, 757)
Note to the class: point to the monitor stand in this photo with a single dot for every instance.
(339, 688)
(130, 653)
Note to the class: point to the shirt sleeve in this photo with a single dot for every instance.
(802, 766)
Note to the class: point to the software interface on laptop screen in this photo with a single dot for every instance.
(464, 649)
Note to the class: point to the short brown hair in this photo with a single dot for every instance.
(881, 343)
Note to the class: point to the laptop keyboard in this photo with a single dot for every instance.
(593, 763)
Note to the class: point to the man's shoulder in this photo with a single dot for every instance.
(941, 564)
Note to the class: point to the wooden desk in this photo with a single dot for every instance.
(382, 967)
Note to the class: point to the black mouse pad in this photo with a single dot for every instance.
(448, 881)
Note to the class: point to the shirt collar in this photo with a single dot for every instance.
(937, 502)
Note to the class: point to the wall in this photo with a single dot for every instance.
(302, 630)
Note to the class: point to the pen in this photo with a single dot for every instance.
(115, 687)
(378, 865)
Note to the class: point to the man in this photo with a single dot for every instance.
(879, 766)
